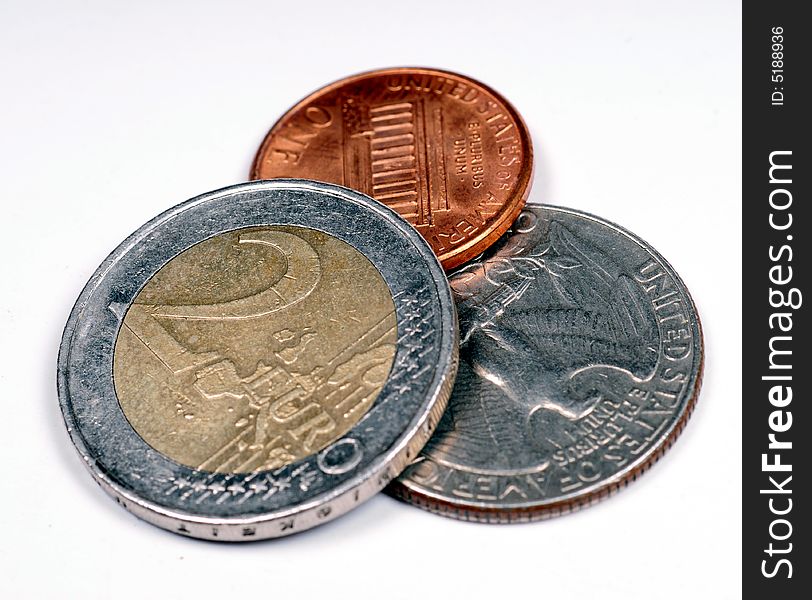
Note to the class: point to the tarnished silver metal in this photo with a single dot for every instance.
(580, 362)
(238, 504)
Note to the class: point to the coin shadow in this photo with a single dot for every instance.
(357, 523)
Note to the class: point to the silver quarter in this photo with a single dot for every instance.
(580, 362)
(247, 504)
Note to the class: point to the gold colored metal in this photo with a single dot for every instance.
(255, 348)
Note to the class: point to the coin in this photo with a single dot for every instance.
(448, 153)
(580, 363)
(258, 360)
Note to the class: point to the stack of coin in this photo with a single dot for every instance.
(263, 358)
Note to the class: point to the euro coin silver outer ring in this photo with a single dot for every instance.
(310, 491)
(581, 360)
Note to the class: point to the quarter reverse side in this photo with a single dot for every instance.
(580, 363)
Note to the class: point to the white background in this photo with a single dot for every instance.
(112, 112)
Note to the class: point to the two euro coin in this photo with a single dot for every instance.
(258, 360)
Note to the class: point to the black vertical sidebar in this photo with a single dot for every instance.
(775, 330)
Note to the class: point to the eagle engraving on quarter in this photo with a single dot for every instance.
(580, 358)
(576, 324)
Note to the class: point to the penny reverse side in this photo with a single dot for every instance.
(448, 153)
(580, 363)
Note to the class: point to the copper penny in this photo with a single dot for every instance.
(448, 153)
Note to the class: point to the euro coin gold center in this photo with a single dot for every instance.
(255, 348)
